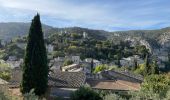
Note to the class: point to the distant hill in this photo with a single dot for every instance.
(96, 34)
(153, 34)
(154, 37)
(14, 29)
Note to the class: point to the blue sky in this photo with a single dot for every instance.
(111, 15)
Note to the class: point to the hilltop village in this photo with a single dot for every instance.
(77, 57)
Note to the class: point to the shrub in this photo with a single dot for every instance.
(5, 75)
(112, 97)
(144, 95)
(156, 83)
(31, 96)
(100, 68)
(67, 62)
(85, 93)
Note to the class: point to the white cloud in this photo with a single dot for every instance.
(57, 8)
(102, 15)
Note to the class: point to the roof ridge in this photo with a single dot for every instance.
(127, 75)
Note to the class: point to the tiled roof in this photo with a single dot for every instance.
(57, 79)
(129, 74)
(113, 85)
(67, 79)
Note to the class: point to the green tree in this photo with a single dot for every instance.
(118, 57)
(142, 50)
(155, 68)
(35, 68)
(156, 83)
(113, 97)
(101, 68)
(169, 57)
(92, 66)
(147, 70)
(67, 62)
(135, 65)
(85, 93)
(1, 44)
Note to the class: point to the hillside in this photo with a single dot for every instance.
(155, 38)
(14, 29)
(151, 34)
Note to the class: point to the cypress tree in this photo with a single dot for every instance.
(168, 57)
(35, 67)
(155, 68)
(1, 44)
(147, 70)
(135, 65)
(92, 65)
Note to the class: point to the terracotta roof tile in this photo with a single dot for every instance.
(113, 85)
(67, 79)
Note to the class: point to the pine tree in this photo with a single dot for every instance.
(35, 68)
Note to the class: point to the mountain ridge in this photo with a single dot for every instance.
(10, 30)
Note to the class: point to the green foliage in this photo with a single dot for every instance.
(76, 36)
(135, 65)
(5, 75)
(85, 93)
(140, 69)
(19, 39)
(144, 95)
(11, 50)
(72, 49)
(147, 67)
(67, 62)
(92, 66)
(101, 68)
(5, 71)
(58, 54)
(155, 67)
(112, 97)
(95, 48)
(74, 43)
(156, 83)
(35, 68)
(141, 50)
(149, 95)
(168, 95)
(138, 95)
(31, 96)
